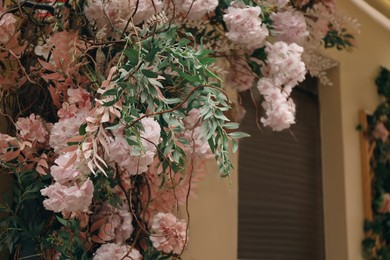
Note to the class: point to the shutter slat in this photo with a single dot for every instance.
(280, 194)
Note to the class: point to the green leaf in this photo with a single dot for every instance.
(149, 74)
(231, 125)
(64, 222)
(150, 56)
(82, 129)
(110, 92)
(237, 135)
(234, 145)
(132, 55)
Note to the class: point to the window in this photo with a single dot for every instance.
(280, 188)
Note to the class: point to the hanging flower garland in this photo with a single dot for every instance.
(377, 241)
(115, 105)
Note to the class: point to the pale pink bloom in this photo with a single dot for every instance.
(151, 132)
(385, 208)
(284, 65)
(7, 27)
(32, 128)
(245, 27)
(169, 233)
(381, 132)
(135, 161)
(67, 128)
(43, 50)
(67, 49)
(192, 119)
(198, 8)
(330, 4)
(165, 193)
(119, 12)
(289, 26)
(240, 76)
(320, 26)
(69, 168)
(279, 3)
(80, 97)
(68, 198)
(279, 108)
(197, 144)
(111, 251)
(114, 223)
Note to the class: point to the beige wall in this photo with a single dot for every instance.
(214, 219)
(354, 89)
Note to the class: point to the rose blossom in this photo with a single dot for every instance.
(245, 27)
(111, 251)
(169, 233)
(72, 198)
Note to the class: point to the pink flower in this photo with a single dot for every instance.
(169, 233)
(66, 128)
(193, 134)
(151, 133)
(32, 128)
(118, 12)
(68, 168)
(7, 27)
(279, 109)
(113, 223)
(79, 97)
(289, 26)
(284, 65)
(240, 76)
(135, 161)
(279, 3)
(385, 208)
(381, 132)
(69, 199)
(197, 8)
(113, 251)
(245, 27)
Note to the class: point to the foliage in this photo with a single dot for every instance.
(376, 243)
(114, 107)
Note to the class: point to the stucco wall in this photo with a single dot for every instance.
(354, 89)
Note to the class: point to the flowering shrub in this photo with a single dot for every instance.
(377, 240)
(114, 105)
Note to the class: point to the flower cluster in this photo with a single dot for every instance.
(114, 106)
(375, 130)
(170, 233)
(245, 26)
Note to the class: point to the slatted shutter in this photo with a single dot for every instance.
(280, 188)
